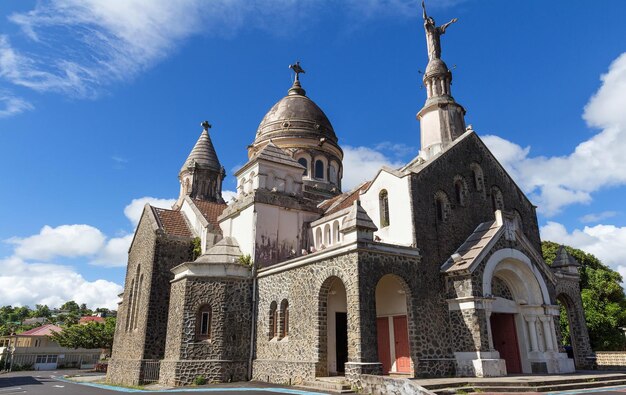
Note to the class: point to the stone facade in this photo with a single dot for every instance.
(140, 334)
(223, 355)
(410, 273)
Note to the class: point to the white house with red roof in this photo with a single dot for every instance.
(35, 349)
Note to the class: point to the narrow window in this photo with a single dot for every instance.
(273, 327)
(319, 169)
(440, 214)
(284, 318)
(203, 322)
(383, 199)
(304, 163)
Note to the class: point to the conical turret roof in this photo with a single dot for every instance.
(564, 258)
(203, 154)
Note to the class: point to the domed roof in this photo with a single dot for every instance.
(295, 115)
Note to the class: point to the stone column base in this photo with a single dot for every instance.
(554, 362)
(355, 369)
(184, 372)
(479, 364)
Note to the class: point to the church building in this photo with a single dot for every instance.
(432, 269)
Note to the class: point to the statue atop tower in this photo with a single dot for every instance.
(433, 34)
(441, 119)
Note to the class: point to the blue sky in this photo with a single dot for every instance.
(100, 102)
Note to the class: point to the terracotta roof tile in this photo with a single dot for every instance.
(44, 330)
(172, 222)
(344, 200)
(86, 319)
(211, 211)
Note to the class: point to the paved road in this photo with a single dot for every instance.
(47, 383)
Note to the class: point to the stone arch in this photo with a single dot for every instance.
(305, 160)
(383, 208)
(283, 330)
(273, 321)
(519, 326)
(318, 237)
(320, 168)
(204, 316)
(518, 264)
(393, 299)
(461, 192)
(442, 206)
(497, 199)
(324, 323)
(478, 178)
(333, 172)
(579, 338)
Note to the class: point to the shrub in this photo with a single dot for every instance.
(199, 380)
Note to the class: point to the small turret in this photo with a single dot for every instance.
(202, 174)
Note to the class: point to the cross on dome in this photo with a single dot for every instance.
(297, 69)
(206, 125)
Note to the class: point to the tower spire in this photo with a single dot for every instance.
(442, 120)
(202, 174)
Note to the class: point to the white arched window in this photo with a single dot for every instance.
(304, 163)
(383, 202)
(336, 232)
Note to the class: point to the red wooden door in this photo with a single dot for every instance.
(505, 340)
(384, 353)
(401, 336)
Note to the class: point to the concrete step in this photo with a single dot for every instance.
(332, 385)
(498, 388)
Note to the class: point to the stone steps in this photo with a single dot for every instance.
(533, 386)
(336, 386)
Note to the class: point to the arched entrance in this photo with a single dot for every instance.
(333, 328)
(520, 328)
(392, 325)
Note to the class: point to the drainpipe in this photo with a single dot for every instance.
(254, 286)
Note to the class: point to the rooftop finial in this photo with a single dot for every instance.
(206, 125)
(297, 69)
(433, 34)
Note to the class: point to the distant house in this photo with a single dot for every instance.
(34, 348)
(34, 320)
(87, 319)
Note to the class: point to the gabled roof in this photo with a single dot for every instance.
(172, 222)
(358, 219)
(225, 251)
(273, 153)
(473, 247)
(210, 211)
(44, 330)
(344, 200)
(203, 154)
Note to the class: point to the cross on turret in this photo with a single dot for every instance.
(206, 125)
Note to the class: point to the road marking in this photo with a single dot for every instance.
(11, 389)
(59, 386)
(199, 390)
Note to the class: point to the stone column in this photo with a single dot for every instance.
(532, 331)
(547, 332)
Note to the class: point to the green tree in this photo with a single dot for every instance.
(91, 335)
(604, 301)
(41, 310)
(70, 306)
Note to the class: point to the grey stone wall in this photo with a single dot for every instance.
(303, 354)
(223, 356)
(154, 254)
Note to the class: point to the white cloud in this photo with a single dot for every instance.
(362, 163)
(62, 241)
(604, 241)
(114, 253)
(134, 209)
(24, 283)
(555, 182)
(597, 217)
(11, 105)
(227, 195)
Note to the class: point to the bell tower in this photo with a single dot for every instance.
(202, 174)
(442, 120)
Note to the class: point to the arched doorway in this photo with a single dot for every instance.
(520, 328)
(568, 323)
(333, 328)
(392, 325)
